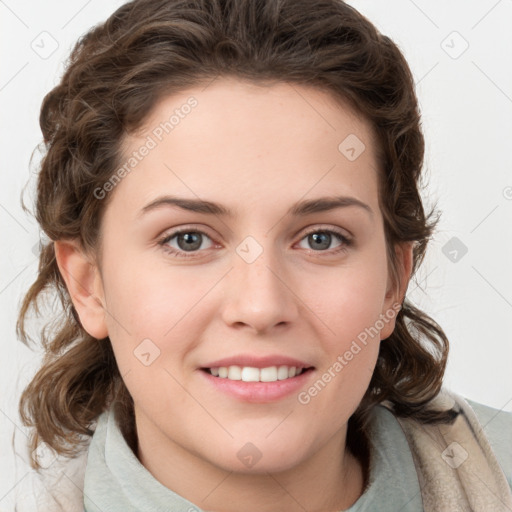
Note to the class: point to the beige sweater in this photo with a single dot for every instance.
(456, 467)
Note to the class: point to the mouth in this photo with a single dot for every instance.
(257, 378)
(253, 374)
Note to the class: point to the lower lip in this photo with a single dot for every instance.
(259, 392)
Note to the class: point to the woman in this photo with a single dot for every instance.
(230, 193)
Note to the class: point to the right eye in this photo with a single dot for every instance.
(184, 243)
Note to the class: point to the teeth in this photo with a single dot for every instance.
(235, 373)
(270, 374)
(250, 374)
(282, 373)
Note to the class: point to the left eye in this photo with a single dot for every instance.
(321, 240)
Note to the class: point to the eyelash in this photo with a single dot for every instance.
(346, 242)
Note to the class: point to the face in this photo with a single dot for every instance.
(268, 274)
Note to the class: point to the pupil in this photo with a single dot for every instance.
(316, 237)
(192, 241)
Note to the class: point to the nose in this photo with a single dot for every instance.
(259, 293)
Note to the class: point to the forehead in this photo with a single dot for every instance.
(235, 141)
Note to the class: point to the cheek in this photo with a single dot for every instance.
(350, 301)
(156, 304)
(351, 309)
(152, 298)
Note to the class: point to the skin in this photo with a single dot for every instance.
(256, 150)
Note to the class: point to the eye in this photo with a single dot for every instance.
(187, 242)
(179, 243)
(321, 239)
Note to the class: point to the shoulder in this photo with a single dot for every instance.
(56, 486)
(477, 443)
(497, 427)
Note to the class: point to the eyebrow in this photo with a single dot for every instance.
(302, 208)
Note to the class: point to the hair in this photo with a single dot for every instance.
(116, 74)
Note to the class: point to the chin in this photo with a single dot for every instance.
(260, 457)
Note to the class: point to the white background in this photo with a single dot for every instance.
(466, 104)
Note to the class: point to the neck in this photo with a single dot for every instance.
(330, 480)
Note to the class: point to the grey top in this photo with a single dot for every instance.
(115, 480)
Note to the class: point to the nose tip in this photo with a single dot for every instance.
(257, 295)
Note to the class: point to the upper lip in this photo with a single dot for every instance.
(257, 361)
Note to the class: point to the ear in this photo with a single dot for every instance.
(84, 284)
(395, 292)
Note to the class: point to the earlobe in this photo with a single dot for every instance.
(84, 285)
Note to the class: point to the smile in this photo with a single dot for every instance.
(251, 374)
(257, 385)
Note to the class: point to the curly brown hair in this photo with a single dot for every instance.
(150, 48)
